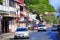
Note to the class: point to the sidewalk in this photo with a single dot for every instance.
(6, 36)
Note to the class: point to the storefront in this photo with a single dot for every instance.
(5, 24)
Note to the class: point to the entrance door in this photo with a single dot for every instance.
(5, 25)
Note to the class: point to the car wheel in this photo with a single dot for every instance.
(42, 30)
(15, 37)
(38, 30)
(27, 38)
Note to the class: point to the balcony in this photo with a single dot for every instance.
(7, 9)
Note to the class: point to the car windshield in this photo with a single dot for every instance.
(41, 25)
(22, 29)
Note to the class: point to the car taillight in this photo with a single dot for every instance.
(35, 27)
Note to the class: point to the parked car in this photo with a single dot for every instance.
(35, 27)
(21, 33)
(42, 27)
(54, 28)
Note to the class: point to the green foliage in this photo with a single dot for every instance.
(42, 6)
(34, 7)
(1, 1)
(39, 5)
(31, 2)
(51, 18)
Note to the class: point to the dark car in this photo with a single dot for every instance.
(54, 28)
(35, 26)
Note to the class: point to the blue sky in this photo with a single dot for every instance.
(55, 3)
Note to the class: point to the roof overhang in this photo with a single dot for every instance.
(21, 2)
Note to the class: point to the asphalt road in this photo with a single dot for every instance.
(48, 35)
(18, 39)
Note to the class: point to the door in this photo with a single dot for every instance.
(5, 25)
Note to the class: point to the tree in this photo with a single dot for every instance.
(1, 1)
(51, 18)
(41, 6)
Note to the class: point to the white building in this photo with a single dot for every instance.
(8, 11)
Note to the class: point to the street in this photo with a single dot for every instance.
(36, 20)
(41, 35)
(48, 35)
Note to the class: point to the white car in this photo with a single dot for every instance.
(42, 27)
(22, 33)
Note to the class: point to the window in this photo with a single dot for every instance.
(12, 3)
(22, 29)
(21, 8)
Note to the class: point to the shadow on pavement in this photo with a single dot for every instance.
(17, 39)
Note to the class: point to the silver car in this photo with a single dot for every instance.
(22, 33)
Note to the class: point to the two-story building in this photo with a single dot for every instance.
(9, 10)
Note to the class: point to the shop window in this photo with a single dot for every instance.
(12, 3)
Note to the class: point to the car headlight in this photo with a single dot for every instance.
(16, 34)
(26, 34)
(44, 27)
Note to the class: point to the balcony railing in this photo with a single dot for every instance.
(7, 8)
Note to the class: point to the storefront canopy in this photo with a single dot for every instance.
(21, 2)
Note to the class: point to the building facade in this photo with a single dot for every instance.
(12, 12)
(8, 12)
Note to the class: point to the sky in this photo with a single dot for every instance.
(56, 4)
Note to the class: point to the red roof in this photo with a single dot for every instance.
(21, 2)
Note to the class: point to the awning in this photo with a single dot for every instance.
(21, 2)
